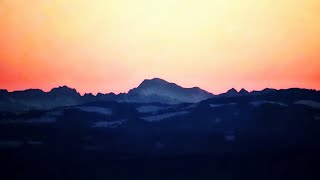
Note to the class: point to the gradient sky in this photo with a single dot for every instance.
(112, 45)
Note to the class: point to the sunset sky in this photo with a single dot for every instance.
(112, 45)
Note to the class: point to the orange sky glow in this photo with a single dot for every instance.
(112, 45)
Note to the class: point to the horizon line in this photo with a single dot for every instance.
(110, 92)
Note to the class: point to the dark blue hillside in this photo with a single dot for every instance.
(257, 136)
(226, 124)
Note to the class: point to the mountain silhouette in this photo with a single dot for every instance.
(34, 99)
(276, 120)
(151, 89)
(154, 90)
(163, 125)
(64, 91)
(233, 93)
(244, 92)
(230, 93)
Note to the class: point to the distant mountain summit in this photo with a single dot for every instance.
(244, 92)
(233, 93)
(64, 91)
(159, 90)
(230, 93)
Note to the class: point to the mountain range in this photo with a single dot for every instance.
(229, 122)
(159, 127)
(149, 91)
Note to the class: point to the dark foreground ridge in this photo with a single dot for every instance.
(269, 134)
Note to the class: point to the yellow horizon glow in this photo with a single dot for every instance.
(104, 45)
